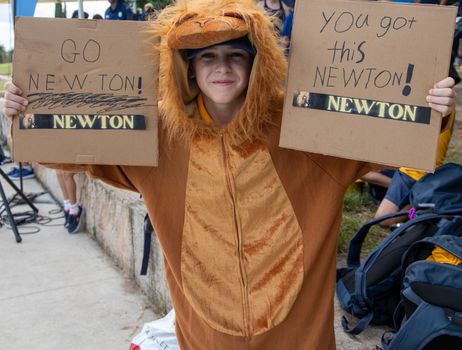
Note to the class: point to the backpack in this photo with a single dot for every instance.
(371, 290)
(431, 299)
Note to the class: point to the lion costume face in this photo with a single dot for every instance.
(200, 23)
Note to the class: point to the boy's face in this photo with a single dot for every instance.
(222, 73)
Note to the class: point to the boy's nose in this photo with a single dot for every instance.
(223, 65)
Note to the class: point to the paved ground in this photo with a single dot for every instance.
(60, 291)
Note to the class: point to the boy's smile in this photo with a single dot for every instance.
(222, 74)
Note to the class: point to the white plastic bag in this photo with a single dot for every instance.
(157, 335)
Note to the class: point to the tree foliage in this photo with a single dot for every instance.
(5, 56)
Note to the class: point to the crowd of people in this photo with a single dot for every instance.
(118, 10)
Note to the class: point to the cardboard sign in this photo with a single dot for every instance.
(92, 88)
(359, 74)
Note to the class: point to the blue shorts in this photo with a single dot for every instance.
(399, 189)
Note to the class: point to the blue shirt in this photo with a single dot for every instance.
(287, 27)
(119, 13)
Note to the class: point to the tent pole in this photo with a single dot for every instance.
(13, 8)
(81, 15)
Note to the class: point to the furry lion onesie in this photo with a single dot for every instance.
(248, 229)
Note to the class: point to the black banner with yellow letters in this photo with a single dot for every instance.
(366, 107)
(83, 121)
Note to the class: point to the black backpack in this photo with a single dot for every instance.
(371, 290)
(431, 299)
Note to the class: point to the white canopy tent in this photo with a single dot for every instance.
(79, 2)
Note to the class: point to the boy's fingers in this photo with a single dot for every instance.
(10, 112)
(441, 100)
(10, 87)
(444, 110)
(442, 92)
(12, 97)
(12, 108)
(445, 83)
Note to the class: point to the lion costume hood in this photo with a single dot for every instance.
(201, 23)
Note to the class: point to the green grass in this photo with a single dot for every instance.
(6, 68)
(358, 209)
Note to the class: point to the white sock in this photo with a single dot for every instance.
(74, 209)
(67, 205)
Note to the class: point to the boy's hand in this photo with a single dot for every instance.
(441, 97)
(13, 102)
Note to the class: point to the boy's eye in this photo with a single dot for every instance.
(207, 56)
(237, 54)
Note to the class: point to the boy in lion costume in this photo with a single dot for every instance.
(248, 229)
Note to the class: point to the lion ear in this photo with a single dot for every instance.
(233, 14)
(185, 17)
(193, 32)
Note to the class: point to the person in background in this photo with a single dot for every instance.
(275, 9)
(75, 14)
(97, 16)
(286, 31)
(116, 10)
(399, 183)
(25, 171)
(73, 211)
(148, 10)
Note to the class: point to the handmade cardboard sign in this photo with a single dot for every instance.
(92, 90)
(359, 74)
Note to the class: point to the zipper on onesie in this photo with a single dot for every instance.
(238, 237)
